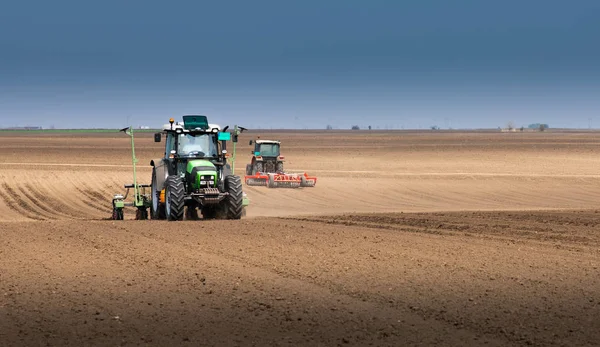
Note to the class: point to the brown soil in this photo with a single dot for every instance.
(407, 239)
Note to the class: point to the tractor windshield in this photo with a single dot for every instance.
(197, 145)
(269, 149)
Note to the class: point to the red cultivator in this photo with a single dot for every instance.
(280, 180)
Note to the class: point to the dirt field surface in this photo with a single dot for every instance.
(408, 238)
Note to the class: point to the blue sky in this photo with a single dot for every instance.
(300, 64)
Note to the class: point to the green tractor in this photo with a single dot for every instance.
(194, 176)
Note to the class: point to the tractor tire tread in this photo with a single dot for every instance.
(233, 185)
(175, 190)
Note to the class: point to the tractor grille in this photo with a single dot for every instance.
(209, 191)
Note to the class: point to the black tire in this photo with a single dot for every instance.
(279, 168)
(117, 214)
(234, 201)
(157, 210)
(258, 167)
(174, 198)
(248, 169)
(271, 181)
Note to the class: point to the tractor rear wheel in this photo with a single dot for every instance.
(174, 198)
(157, 211)
(258, 167)
(279, 167)
(248, 169)
(234, 201)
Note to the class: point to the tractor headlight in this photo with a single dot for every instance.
(207, 180)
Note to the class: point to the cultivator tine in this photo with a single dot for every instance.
(254, 182)
(309, 183)
(280, 180)
(286, 184)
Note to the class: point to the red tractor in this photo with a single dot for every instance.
(266, 168)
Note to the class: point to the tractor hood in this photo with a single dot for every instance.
(201, 174)
(200, 165)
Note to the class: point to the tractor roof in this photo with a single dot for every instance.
(267, 141)
(179, 125)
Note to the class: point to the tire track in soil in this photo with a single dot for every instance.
(41, 208)
(95, 200)
(336, 290)
(65, 194)
(17, 204)
(487, 226)
(55, 205)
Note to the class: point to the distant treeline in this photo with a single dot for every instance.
(538, 126)
(23, 128)
(95, 130)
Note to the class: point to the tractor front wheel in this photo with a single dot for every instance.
(174, 198)
(234, 201)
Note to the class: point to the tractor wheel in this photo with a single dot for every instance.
(234, 201)
(279, 167)
(174, 195)
(158, 209)
(258, 167)
(248, 169)
(271, 181)
(117, 214)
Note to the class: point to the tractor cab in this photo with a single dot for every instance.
(266, 148)
(194, 138)
(266, 157)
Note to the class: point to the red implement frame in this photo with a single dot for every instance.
(280, 180)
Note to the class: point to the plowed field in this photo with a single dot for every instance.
(408, 238)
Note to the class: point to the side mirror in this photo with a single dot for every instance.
(250, 143)
(157, 137)
(235, 138)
